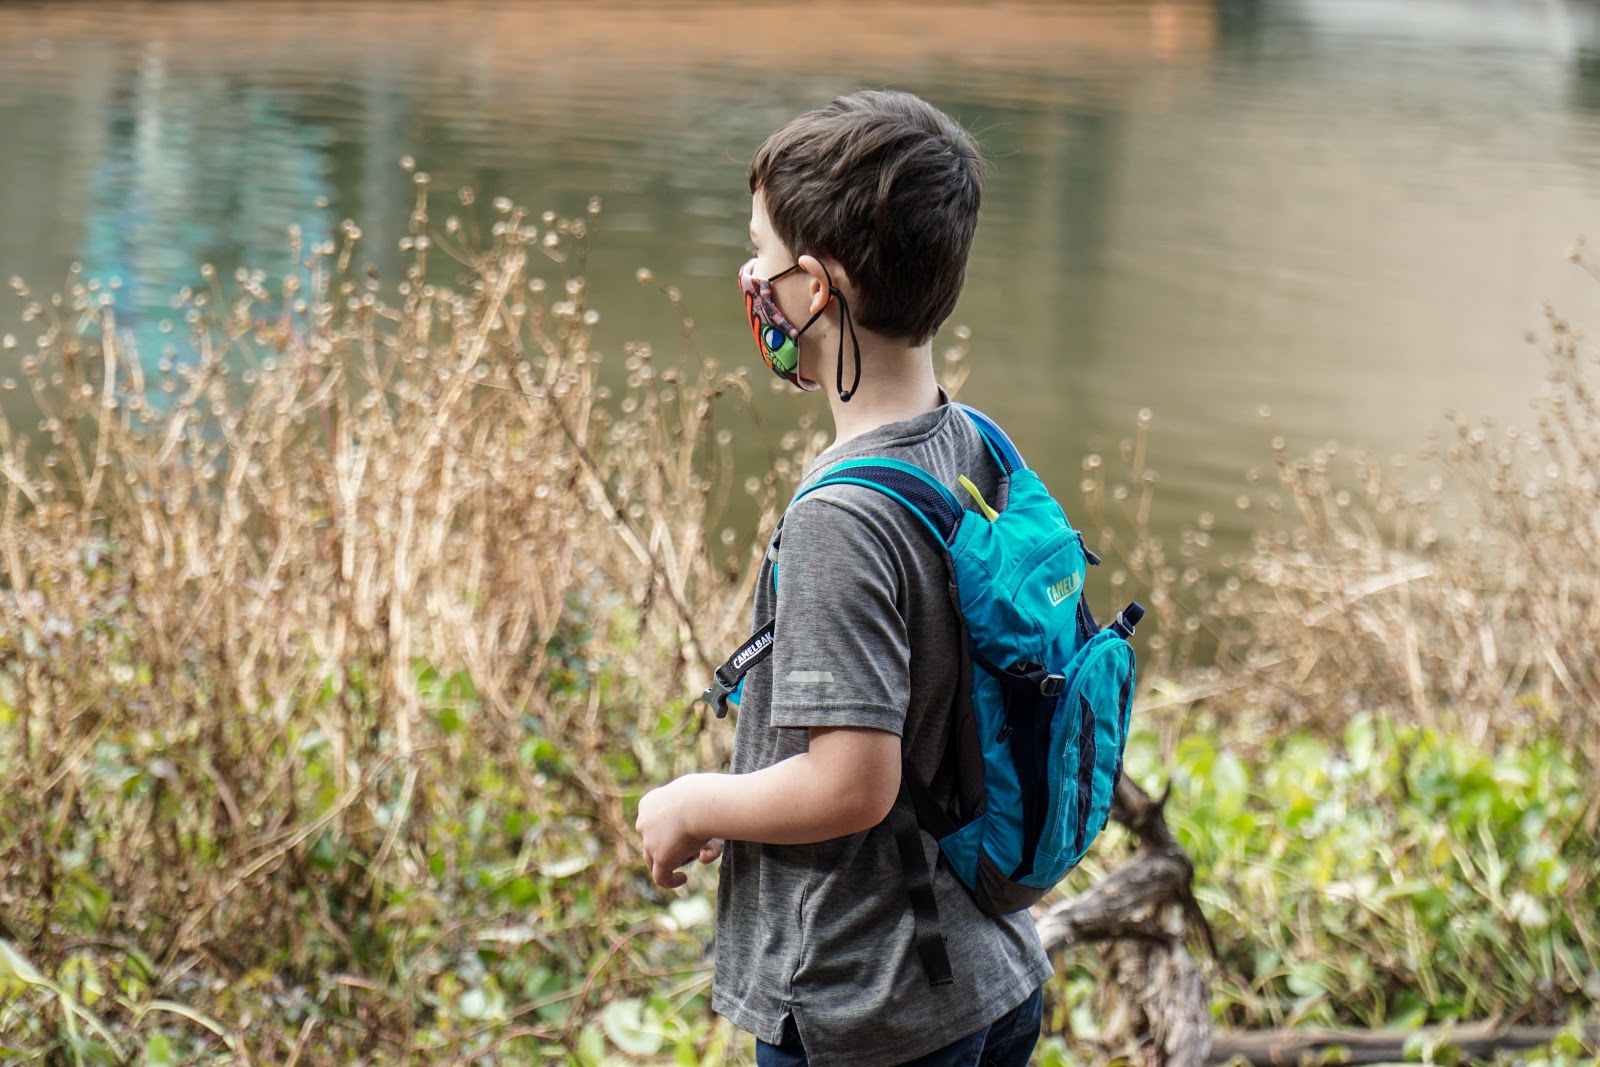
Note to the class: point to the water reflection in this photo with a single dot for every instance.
(195, 170)
(1348, 211)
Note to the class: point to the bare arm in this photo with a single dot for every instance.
(845, 783)
(838, 614)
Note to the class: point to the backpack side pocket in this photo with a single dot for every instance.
(1087, 739)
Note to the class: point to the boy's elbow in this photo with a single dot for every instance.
(861, 773)
(857, 808)
(866, 786)
(874, 806)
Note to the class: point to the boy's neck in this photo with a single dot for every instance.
(897, 383)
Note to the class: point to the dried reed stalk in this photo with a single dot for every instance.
(326, 505)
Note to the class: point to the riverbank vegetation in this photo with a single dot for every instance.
(337, 645)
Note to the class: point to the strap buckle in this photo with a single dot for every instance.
(1127, 619)
(726, 678)
(717, 693)
(1050, 685)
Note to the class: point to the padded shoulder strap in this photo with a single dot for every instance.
(1005, 453)
(921, 492)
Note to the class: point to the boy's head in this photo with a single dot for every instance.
(887, 185)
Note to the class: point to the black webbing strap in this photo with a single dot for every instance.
(919, 887)
(930, 815)
(726, 678)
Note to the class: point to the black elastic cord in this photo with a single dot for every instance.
(850, 323)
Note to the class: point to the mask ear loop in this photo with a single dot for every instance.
(850, 324)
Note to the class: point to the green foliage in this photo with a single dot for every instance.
(1393, 877)
(517, 924)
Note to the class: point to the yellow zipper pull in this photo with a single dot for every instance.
(983, 505)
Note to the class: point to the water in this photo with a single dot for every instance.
(1347, 211)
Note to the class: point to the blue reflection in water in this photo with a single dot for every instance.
(215, 171)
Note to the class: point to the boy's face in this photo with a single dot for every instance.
(794, 291)
(772, 256)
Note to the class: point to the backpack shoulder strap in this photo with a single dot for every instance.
(923, 494)
(1000, 447)
(930, 501)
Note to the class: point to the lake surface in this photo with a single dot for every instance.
(1346, 210)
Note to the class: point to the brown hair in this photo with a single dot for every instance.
(888, 185)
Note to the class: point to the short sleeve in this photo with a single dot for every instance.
(842, 654)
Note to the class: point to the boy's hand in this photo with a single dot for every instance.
(669, 843)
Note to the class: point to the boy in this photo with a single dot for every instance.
(862, 218)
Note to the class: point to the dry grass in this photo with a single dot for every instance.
(276, 625)
(1380, 716)
(1459, 590)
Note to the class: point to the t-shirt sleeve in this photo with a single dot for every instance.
(842, 654)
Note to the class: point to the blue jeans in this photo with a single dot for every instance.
(1006, 1042)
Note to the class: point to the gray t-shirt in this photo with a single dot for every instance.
(866, 636)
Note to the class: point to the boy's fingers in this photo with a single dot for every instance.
(664, 872)
(667, 877)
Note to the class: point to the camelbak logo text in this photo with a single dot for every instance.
(1063, 589)
(752, 651)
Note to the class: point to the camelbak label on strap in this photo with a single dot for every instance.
(752, 652)
(727, 677)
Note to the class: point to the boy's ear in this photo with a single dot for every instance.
(822, 275)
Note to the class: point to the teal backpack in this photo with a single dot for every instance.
(1038, 736)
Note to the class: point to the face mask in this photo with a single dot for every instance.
(776, 337)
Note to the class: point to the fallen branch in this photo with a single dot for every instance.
(1474, 1041)
(1144, 908)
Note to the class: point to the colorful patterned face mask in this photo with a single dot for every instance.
(776, 337)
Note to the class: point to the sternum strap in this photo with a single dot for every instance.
(726, 678)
